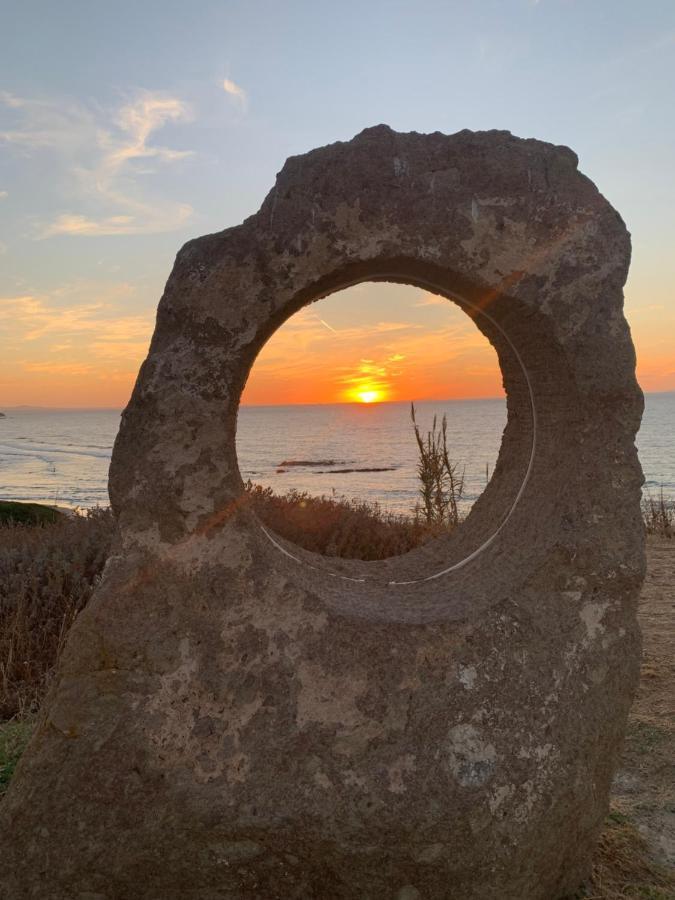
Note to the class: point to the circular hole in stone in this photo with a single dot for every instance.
(325, 441)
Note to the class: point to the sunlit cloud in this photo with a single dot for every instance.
(64, 127)
(396, 326)
(110, 348)
(430, 300)
(234, 90)
(81, 225)
(58, 368)
(83, 341)
(105, 161)
(434, 355)
(367, 382)
(29, 318)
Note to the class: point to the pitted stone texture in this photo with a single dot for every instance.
(228, 722)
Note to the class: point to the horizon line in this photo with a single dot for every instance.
(34, 406)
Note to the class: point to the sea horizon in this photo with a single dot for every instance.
(361, 451)
(28, 406)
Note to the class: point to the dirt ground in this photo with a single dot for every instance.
(644, 786)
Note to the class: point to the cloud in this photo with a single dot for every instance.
(81, 225)
(62, 127)
(396, 326)
(11, 100)
(3, 194)
(430, 300)
(105, 161)
(84, 318)
(58, 368)
(234, 90)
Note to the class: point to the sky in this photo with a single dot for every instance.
(127, 129)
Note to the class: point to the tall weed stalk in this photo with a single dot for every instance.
(441, 483)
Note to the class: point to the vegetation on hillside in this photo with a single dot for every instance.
(47, 574)
(27, 513)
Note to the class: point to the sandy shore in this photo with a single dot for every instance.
(644, 786)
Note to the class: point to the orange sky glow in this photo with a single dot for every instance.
(82, 345)
(373, 343)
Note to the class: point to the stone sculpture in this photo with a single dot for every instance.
(234, 717)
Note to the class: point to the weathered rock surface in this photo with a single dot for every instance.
(230, 720)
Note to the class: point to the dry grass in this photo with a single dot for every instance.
(335, 526)
(623, 868)
(659, 515)
(441, 484)
(47, 574)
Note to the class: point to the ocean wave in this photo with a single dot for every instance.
(38, 449)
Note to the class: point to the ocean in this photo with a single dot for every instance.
(363, 451)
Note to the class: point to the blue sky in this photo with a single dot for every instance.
(128, 128)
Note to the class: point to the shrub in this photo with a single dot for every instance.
(336, 526)
(47, 574)
(659, 515)
(27, 513)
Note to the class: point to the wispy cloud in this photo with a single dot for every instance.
(105, 158)
(234, 90)
(10, 99)
(84, 341)
(82, 225)
(84, 319)
(46, 368)
(63, 127)
(430, 300)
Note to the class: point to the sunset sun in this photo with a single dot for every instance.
(369, 395)
(366, 393)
